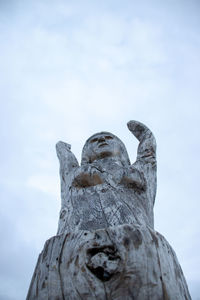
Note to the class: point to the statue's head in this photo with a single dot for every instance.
(102, 145)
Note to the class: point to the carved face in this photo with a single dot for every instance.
(101, 145)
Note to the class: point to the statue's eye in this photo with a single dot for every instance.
(108, 137)
(94, 140)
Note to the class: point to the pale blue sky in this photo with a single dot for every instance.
(73, 68)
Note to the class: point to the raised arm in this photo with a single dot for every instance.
(67, 159)
(146, 156)
(68, 162)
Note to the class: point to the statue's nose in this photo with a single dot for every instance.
(101, 139)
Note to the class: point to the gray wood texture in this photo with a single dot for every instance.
(106, 246)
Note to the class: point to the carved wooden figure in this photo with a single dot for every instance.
(106, 246)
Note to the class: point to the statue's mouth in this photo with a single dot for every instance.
(103, 144)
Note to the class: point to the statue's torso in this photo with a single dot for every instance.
(99, 197)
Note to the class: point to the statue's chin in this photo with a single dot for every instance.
(105, 154)
(102, 155)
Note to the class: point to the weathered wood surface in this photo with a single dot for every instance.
(106, 246)
(106, 190)
(122, 262)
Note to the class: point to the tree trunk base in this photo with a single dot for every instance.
(122, 262)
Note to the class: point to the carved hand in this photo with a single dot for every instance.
(61, 147)
(138, 129)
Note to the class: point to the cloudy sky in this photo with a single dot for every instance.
(73, 68)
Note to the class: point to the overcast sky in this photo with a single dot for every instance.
(73, 68)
